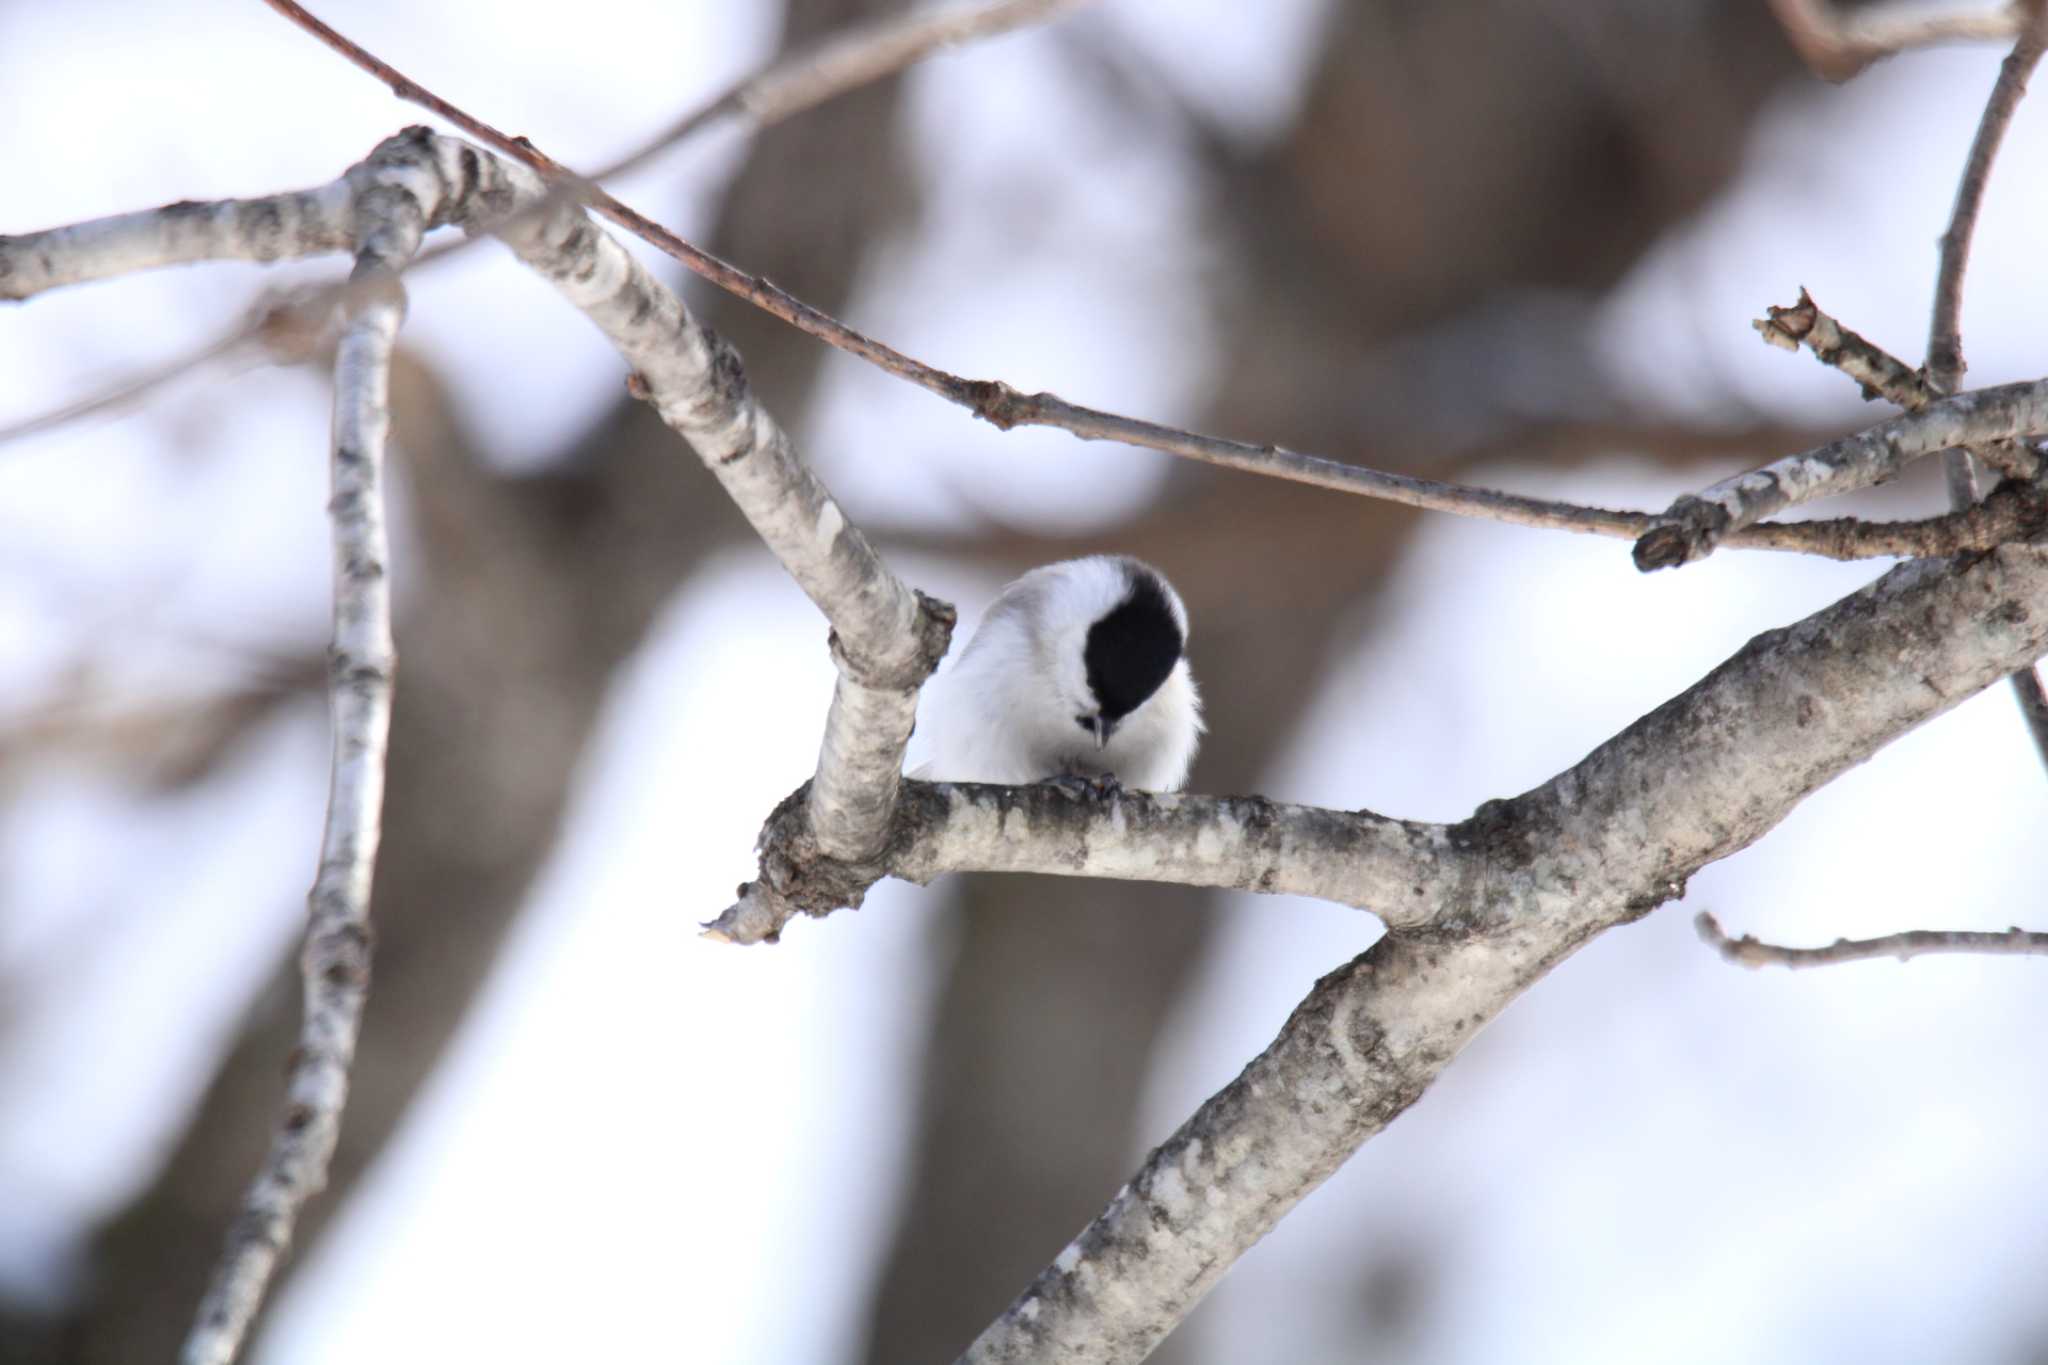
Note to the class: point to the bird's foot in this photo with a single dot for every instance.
(1087, 786)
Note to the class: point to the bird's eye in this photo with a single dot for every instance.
(1086, 723)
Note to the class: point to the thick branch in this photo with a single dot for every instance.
(1749, 951)
(336, 961)
(1395, 868)
(1695, 780)
(886, 637)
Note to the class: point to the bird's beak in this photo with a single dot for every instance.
(1102, 730)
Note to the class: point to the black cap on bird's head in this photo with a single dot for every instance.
(1130, 651)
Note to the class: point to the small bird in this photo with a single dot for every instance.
(1078, 671)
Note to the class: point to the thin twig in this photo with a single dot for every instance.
(335, 963)
(289, 328)
(1945, 363)
(834, 67)
(1693, 526)
(1878, 372)
(991, 400)
(306, 222)
(844, 62)
(1748, 951)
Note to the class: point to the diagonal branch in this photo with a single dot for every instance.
(779, 91)
(1880, 373)
(1697, 523)
(845, 62)
(288, 327)
(1600, 845)
(886, 638)
(1749, 951)
(1479, 910)
(991, 400)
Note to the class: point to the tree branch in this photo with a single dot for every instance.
(1836, 44)
(288, 326)
(845, 62)
(2033, 699)
(991, 400)
(1945, 364)
(1748, 951)
(779, 91)
(1876, 370)
(1479, 911)
(390, 216)
(1247, 843)
(1600, 845)
(301, 223)
(886, 638)
(1697, 523)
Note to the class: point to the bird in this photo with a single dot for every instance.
(1078, 673)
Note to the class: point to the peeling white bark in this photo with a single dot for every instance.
(1396, 869)
(278, 227)
(887, 638)
(335, 962)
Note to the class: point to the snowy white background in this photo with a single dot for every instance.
(1654, 1153)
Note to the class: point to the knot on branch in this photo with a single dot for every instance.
(906, 669)
(802, 874)
(799, 878)
(997, 403)
(1688, 531)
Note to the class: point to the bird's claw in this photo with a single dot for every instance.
(1087, 786)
